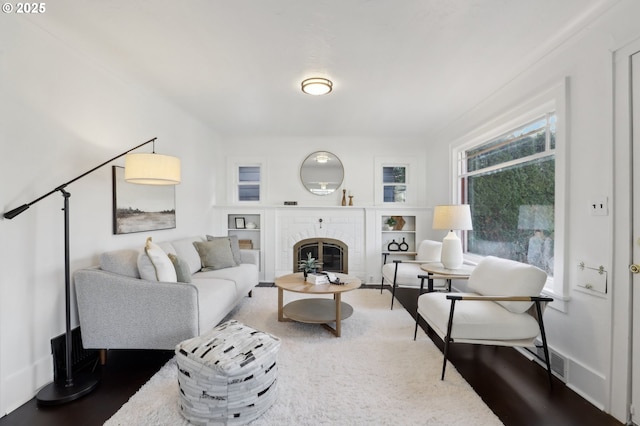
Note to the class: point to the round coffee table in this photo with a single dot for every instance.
(315, 310)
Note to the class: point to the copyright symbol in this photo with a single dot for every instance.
(7, 8)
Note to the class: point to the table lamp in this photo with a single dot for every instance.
(452, 217)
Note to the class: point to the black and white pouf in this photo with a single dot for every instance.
(228, 375)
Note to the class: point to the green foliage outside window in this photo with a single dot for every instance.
(500, 196)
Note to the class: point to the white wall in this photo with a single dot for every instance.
(284, 156)
(62, 113)
(583, 333)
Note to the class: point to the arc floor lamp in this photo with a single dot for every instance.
(140, 168)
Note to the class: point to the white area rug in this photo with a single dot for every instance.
(375, 374)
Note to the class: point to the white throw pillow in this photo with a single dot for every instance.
(163, 270)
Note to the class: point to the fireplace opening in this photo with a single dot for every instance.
(331, 253)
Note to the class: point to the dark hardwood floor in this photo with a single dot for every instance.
(516, 389)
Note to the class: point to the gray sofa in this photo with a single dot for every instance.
(119, 310)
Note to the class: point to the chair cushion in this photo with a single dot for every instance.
(476, 320)
(429, 251)
(407, 275)
(502, 277)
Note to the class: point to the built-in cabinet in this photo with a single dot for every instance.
(399, 238)
(247, 227)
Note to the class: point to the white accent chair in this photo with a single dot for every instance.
(404, 273)
(504, 308)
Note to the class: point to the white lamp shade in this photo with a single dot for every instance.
(452, 217)
(152, 169)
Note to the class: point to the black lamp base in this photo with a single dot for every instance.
(56, 393)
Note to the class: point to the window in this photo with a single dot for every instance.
(509, 182)
(249, 183)
(394, 182)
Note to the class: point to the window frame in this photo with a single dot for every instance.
(412, 167)
(553, 99)
(234, 172)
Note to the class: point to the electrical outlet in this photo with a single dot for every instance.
(598, 206)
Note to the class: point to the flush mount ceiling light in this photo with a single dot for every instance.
(317, 86)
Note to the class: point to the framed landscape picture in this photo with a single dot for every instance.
(140, 208)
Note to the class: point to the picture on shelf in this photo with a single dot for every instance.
(240, 223)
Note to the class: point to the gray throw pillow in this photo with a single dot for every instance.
(215, 254)
(235, 246)
(183, 272)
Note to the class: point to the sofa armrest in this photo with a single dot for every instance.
(250, 256)
(119, 312)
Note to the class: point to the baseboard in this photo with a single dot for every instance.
(19, 388)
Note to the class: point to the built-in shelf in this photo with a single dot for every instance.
(403, 239)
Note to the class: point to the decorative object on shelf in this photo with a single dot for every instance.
(391, 222)
(403, 246)
(452, 217)
(399, 223)
(351, 200)
(148, 169)
(344, 197)
(251, 225)
(245, 244)
(393, 246)
(310, 264)
(290, 203)
(240, 223)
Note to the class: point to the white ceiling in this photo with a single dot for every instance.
(401, 68)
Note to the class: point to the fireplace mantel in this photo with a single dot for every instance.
(281, 227)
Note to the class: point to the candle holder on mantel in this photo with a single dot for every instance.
(344, 197)
(350, 200)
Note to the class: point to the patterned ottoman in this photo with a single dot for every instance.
(228, 375)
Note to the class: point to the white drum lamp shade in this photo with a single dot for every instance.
(452, 217)
(152, 169)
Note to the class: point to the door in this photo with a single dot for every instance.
(635, 288)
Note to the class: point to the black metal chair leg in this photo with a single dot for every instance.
(447, 339)
(544, 343)
(415, 331)
(393, 285)
(393, 294)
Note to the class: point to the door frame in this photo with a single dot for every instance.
(622, 290)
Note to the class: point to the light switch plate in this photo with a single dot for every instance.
(598, 206)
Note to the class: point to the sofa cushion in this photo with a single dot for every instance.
(162, 268)
(183, 271)
(245, 276)
(502, 277)
(184, 248)
(215, 254)
(235, 246)
(121, 262)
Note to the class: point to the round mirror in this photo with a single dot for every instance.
(321, 173)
